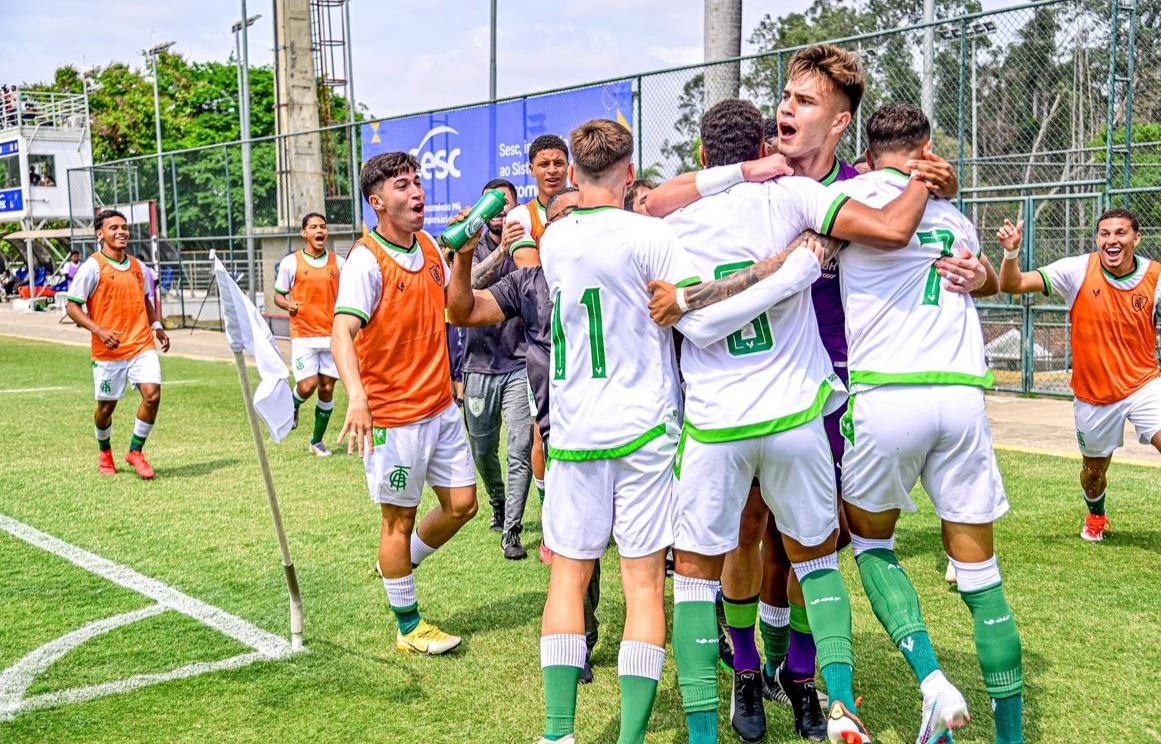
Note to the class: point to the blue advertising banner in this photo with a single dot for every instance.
(461, 150)
(11, 181)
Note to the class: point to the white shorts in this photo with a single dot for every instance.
(308, 361)
(109, 378)
(1101, 429)
(630, 498)
(937, 432)
(434, 450)
(796, 472)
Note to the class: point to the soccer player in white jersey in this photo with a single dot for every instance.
(306, 287)
(754, 407)
(613, 402)
(917, 375)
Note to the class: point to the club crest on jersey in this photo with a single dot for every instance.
(402, 286)
(435, 277)
(1139, 301)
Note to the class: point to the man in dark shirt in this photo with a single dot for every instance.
(495, 388)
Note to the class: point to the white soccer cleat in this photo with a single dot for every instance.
(319, 449)
(949, 574)
(944, 711)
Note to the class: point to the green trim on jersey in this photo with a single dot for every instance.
(861, 377)
(607, 454)
(593, 210)
(764, 428)
(522, 243)
(321, 260)
(125, 262)
(77, 300)
(830, 177)
(394, 246)
(343, 310)
(832, 212)
(897, 172)
(282, 291)
(1047, 282)
(688, 282)
(1116, 281)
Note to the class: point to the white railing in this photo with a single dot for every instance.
(33, 108)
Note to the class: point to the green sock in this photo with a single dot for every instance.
(895, 603)
(828, 608)
(775, 639)
(136, 443)
(637, 695)
(560, 683)
(1096, 506)
(997, 641)
(322, 417)
(695, 650)
(104, 439)
(798, 619)
(407, 617)
(1009, 714)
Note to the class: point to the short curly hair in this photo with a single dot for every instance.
(731, 132)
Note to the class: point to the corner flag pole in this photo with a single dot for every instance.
(275, 511)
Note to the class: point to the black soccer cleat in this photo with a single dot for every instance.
(771, 690)
(809, 722)
(725, 645)
(497, 524)
(747, 715)
(513, 550)
(586, 675)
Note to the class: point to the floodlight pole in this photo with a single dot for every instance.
(247, 174)
(153, 52)
(929, 60)
(492, 66)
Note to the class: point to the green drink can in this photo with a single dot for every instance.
(489, 205)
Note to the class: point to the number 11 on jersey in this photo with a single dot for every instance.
(591, 301)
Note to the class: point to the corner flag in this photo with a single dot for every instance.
(247, 329)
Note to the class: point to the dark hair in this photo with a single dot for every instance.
(636, 186)
(562, 192)
(547, 142)
(106, 214)
(770, 129)
(896, 127)
(731, 132)
(1120, 213)
(840, 68)
(502, 183)
(382, 167)
(74, 252)
(306, 218)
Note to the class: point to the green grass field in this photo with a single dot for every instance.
(1088, 614)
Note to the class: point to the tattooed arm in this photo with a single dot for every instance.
(663, 306)
(484, 270)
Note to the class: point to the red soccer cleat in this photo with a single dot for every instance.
(105, 464)
(1094, 528)
(140, 464)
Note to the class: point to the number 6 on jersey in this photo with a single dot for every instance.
(591, 300)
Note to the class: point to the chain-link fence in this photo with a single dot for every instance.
(1023, 101)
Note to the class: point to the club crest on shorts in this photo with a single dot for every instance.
(397, 478)
(475, 406)
(106, 388)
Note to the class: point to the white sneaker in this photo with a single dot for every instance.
(566, 740)
(320, 449)
(944, 710)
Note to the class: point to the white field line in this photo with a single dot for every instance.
(263, 642)
(82, 694)
(15, 680)
(20, 391)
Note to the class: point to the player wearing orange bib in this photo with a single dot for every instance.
(548, 164)
(1113, 298)
(390, 348)
(306, 287)
(112, 287)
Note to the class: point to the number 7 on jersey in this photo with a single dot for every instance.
(591, 300)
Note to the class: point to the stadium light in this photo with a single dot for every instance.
(152, 52)
(249, 22)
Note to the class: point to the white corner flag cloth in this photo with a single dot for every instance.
(247, 329)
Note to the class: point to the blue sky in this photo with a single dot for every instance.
(409, 55)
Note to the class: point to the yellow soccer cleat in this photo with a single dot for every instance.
(426, 639)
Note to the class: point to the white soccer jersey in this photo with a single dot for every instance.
(522, 213)
(775, 373)
(903, 327)
(614, 375)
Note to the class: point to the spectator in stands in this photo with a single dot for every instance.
(72, 266)
(33, 176)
